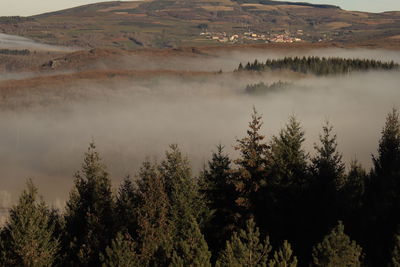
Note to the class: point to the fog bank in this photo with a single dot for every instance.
(130, 120)
(17, 42)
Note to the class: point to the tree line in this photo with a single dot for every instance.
(273, 205)
(262, 88)
(14, 19)
(23, 52)
(318, 66)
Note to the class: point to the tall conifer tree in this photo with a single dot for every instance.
(89, 220)
(289, 160)
(28, 237)
(154, 226)
(252, 168)
(192, 249)
(328, 182)
(182, 191)
(383, 199)
(286, 206)
(126, 208)
(328, 166)
(219, 191)
(388, 160)
(354, 188)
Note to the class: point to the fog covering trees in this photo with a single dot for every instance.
(272, 205)
(319, 66)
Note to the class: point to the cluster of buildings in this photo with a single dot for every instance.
(223, 37)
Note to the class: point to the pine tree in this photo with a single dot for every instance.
(154, 230)
(286, 208)
(182, 191)
(28, 237)
(283, 257)
(288, 157)
(352, 199)
(252, 167)
(328, 182)
(386, 172)
(89, 220)
(383, 199)
(337, 249)
(184, 198)
(192, 249)
(395, 259)
(121, 253)
(388, 159)
(354, 190)
(245, 248)
(327, 164)
(126, 208)
(219, 191)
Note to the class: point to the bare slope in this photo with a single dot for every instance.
(171, 23)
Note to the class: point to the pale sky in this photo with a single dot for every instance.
(33, 7)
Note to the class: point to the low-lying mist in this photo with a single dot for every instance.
(17, 42)
(131, 120)
(229, 60)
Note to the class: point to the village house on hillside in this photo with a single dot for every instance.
(223, 37)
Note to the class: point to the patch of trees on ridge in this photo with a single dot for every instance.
(23, 52)
(273, 205)
(14, 19)
(273, 3)
(262, 88)
(318, 66)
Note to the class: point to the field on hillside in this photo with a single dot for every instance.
(163, 24)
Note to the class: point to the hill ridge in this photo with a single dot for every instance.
(175, 23)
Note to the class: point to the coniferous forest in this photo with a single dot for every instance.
(262, 88)
(275, 205)
(319, 66)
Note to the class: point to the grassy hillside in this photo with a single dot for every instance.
(172, 23)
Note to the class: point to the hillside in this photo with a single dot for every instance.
(172, 23)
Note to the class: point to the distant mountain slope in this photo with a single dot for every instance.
(271, 2)
(171, 23)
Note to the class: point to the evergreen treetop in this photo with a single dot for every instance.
(252, 165)
(395, 257)
(245, 248)
(192, 249)
(89, 217)
(327, 164)
(289, 160)
(121, 252)
(154, 229)
(28, 237)
(126, 207)
(283, 257)
(336, 249)
(388, 159)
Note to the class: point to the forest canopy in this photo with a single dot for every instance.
(318, 66)
(275, 204)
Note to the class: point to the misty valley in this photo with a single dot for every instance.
(203, 133)
(195, 156)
